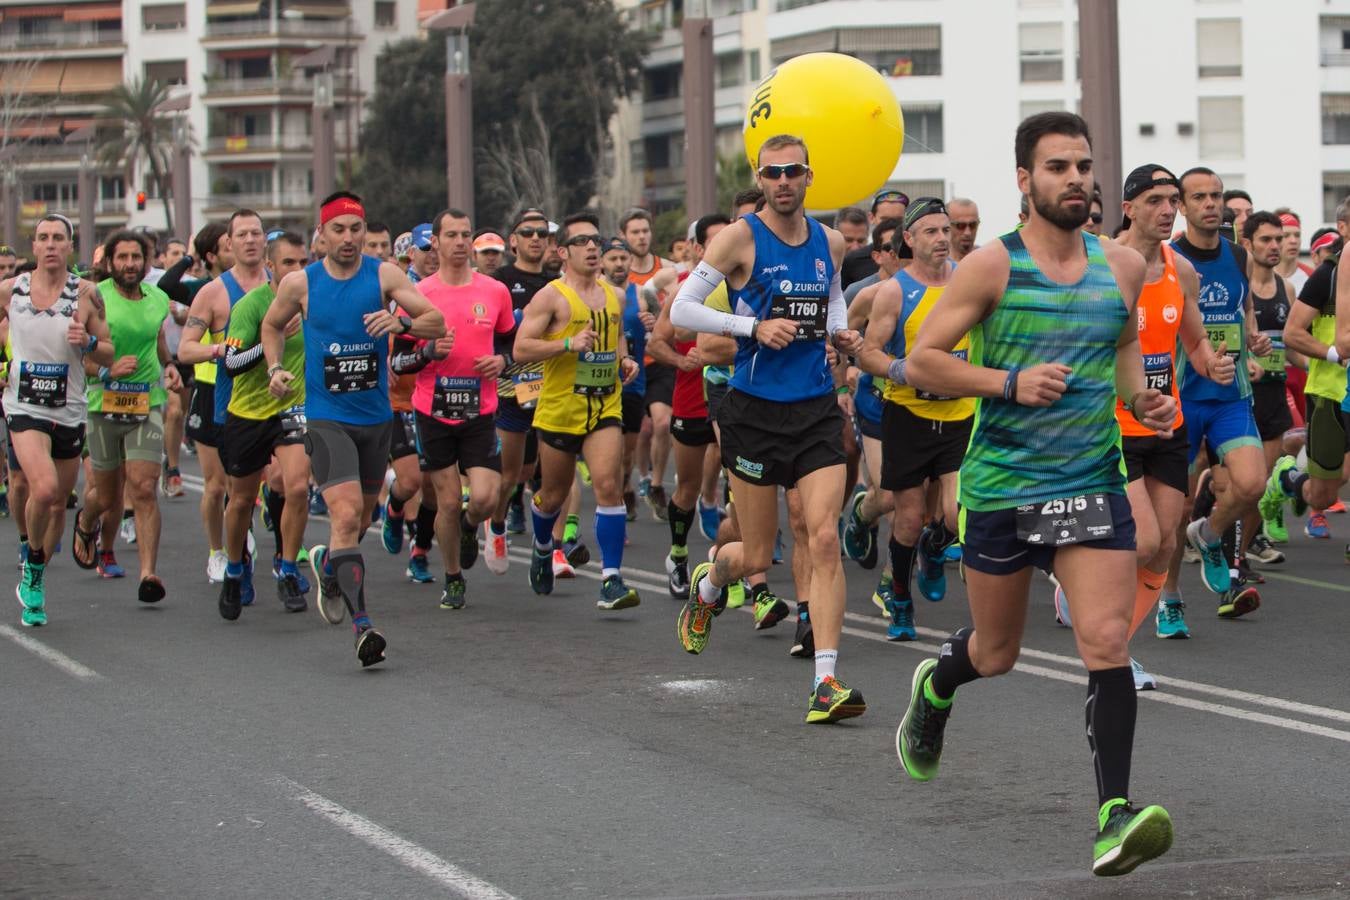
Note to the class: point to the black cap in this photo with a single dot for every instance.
(529, 212)
(922, 206)
(614, 243)
(1146, 177)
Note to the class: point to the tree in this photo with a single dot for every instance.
(401, 171)
(144, 134)
(733, 176)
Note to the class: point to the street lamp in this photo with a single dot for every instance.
(700, 127)
(88, 184)
(458, 104)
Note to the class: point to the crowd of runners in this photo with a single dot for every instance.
(1098, 408)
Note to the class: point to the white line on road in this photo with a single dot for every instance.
(55, 657)
(463, 883)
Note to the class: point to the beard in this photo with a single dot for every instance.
(127, 278)
(1057, 215)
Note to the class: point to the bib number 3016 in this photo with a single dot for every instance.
(1065, 520)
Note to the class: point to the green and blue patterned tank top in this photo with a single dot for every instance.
(1023, 454)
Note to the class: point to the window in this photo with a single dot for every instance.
(1336, 118)
(1042, 51)
(167, 72)
(656, 152)
(637, 155)
(386, 14)
(662, 83)
(1335, 188)
(730, 70)
(111, 187)
(169, 17)
(1032, 107)
(752, 62)
(925, 188)
(1218, 47)
(896, 51)
(1220, 123)
(923, 128)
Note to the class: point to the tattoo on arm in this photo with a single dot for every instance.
(198, 322)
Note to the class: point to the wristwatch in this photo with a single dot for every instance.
(406, 322)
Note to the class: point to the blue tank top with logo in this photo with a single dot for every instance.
(1223, 293)
(224, 384)
(786, 283)
(346, 374)
(636, 335)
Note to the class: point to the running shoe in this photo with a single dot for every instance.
(515, 516)
(1214, 568)
(1271, 504)
(931, 576)
(1275, 529)
(900, 613)
(317, 506)
(229, 602)
(418, 570)
(108, 567)
(291, 595)
(541, 571)
(614, 595)
(1142, 680)
(694, 624)
(301, 581)
(677, 574)
(770, 609)
(1336, 508)
(869, 560)
(329, 599)
(215, 566)
(1247, 575)
(1127, 837)
(1189, 556)
(709, 517)
(1261, 550)
(23, 554)
(885, 590)
(778, 548)
(1170, 620)
(658, 501)
(494, 553)
(834, 701)
(918, 740)
(468, 545)
(856, 532)
(1062, 616)
(577, 553)
(1316, 527)
(1238, 601)
(172, 483)
(584, 471)
(453, 595)
(953, 553)
(126, 532)
(4, 501)
(391, 532)
(370, 646)
(32, 596)
(804, 641)
(246, 592)
(644, 486)
(561, 567)
(630, 506)
(736, 592)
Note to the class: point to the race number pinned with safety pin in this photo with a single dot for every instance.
(1065, 520)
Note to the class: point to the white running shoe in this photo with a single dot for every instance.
(126, 532)
(1061, 605)
(215, 566)
(252, 545)
(494, 551)
(1142, 680)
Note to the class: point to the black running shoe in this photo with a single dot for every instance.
(230, 601)
(369, 647)
(290, 595)
(803, 642)
(468, 545)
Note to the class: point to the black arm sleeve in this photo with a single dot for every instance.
(407, 357)
(171, 282)
(237, 361)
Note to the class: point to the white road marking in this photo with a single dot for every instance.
(463, 883)
(55, 657)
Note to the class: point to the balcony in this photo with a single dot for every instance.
(239, 145)
(293, 29)
(1334, 59)
(272, 201)
(270, 88)
(61, 38)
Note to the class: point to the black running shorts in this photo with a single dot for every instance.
(772, 443)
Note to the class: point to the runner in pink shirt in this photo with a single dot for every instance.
(455, 398)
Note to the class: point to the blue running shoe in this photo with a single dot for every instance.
(901, 626)
(391, 532)
(515, 517)
(1214, 568)
(317, 506)
(778, 548)
(108, 567)
(23, 554)
(856, 532)
(953, 553)
(541, 571)
(1170, 620)
(1317, 527)
(246, 592)
(709, 517)
(418, 571)
(277, 574)
(932, 578)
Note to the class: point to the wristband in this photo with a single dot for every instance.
(1332, 355)
(507, 360)
(103, 373)
(406, 322)
(896, 370)
(274, 369)
(567, 345)
(1010, 386)
(842, 389)
(754, 330)
(429, 350)
(92, 345)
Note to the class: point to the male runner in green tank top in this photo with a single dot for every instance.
(1050, 311)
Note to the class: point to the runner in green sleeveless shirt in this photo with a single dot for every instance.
(1051, 315)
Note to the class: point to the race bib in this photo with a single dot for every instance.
(1158, 372)
(348, 373)
(1065, 520)
(807, 312)
(597, 374)
(1273, 362)
(528, 387)
(293, 419)
(457, 398)
(1226, 331)
(925, 395)
(127, 401)
(43, 384)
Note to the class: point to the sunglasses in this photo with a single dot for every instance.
(532, 232)
(1096, 218)
(965, 226)
(887, 247)
(891, 197)
(582, 240)
(791, 170)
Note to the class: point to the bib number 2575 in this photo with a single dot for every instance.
(1066, 520)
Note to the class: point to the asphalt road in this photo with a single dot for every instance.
(535, 747)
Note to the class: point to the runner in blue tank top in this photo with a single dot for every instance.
(781, 423)
(1050, 312)
(615, 258)
(345, 300)
(1219, 417)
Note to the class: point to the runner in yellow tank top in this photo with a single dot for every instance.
(575, 327)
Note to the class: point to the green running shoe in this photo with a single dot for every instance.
(1170, 620)
(832, 700)
(1271, 504)
(1127, 837)
(885, 590)
(1213, 567)
(453, 595)
(736, 594)
(918, 740)
(694, 624)
(1275, 529)
(770, 609)
(614, 594)
(1238, 602)
(32, 596)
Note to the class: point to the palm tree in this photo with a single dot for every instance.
(145, 134)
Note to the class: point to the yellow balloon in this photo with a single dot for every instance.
(846, 113)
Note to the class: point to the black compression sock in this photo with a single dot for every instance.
(275, 501)
(349, 568)
(902, 568)
(954, 667)
(396, 502)
(426, 527)
(681, 521)
(1110, 713)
